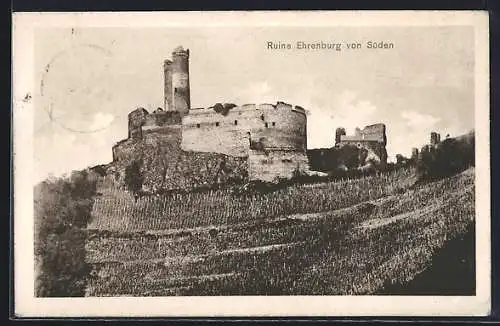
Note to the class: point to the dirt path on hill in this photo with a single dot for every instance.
(382, 221)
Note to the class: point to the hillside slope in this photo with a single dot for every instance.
(359, 236)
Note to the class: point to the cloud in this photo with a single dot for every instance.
(52, 153)
(101, 120)
(257, 92)
(60, 151)
(346, 109)
(353, 111)
(417, 120)
(416, 128)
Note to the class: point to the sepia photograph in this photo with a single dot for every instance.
(223, 159)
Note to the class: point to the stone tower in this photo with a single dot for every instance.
(414, 153)
(339, 132)
(435, 138)
(180, 80)
(167, 70)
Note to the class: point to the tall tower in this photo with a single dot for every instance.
(180, 80)
(339, 132)
(414, 153)
(435, 138)
(167, 69)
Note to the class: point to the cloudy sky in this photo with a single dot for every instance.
(89, 79)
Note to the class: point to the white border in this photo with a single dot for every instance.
(26, 305)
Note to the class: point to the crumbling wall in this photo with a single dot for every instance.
(167, 88)
(373, 138)
(231, 131)
(272, 165)
(205, 130)
(346, 157)
(435, 138)
(140, 121)
(160, 119)
(374, 147)
(189, 170)
(284, 128)
(414, 154)
(136, 119)
(376, 130)
(166, 139)
(339, 132)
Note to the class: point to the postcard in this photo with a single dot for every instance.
(285, 163)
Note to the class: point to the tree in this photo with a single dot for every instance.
(450, 156)
(133, 176)
(62, 209)
(349, 156)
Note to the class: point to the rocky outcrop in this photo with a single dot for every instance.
(164, 166)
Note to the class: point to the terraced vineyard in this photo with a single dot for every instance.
(357, 236)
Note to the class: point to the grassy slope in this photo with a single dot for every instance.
(356, 237)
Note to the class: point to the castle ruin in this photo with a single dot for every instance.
(268, 140)
(176, 75)
(184, 147)
(435, 138)
(372, 138)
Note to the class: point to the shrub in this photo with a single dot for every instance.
(450, 156)
(133, 176)
(99, 169)
(62, 209)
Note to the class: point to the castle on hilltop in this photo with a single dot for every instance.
(270, 138)
(180, 147)
(372, 138)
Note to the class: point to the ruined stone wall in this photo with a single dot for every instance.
(272, 127)
(373, 138)
(375, 147)
(166, 167)
(435, 138)
(167, 88)
(166, 139)
(159, 119)
(140, 121)
(373, 132)
(268, 166)
(348, 156)
(136, 119)
(204, 130)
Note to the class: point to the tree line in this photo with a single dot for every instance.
(62, 210)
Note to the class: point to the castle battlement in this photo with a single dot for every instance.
(246, 107)
(375, 132)
(230, 129)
